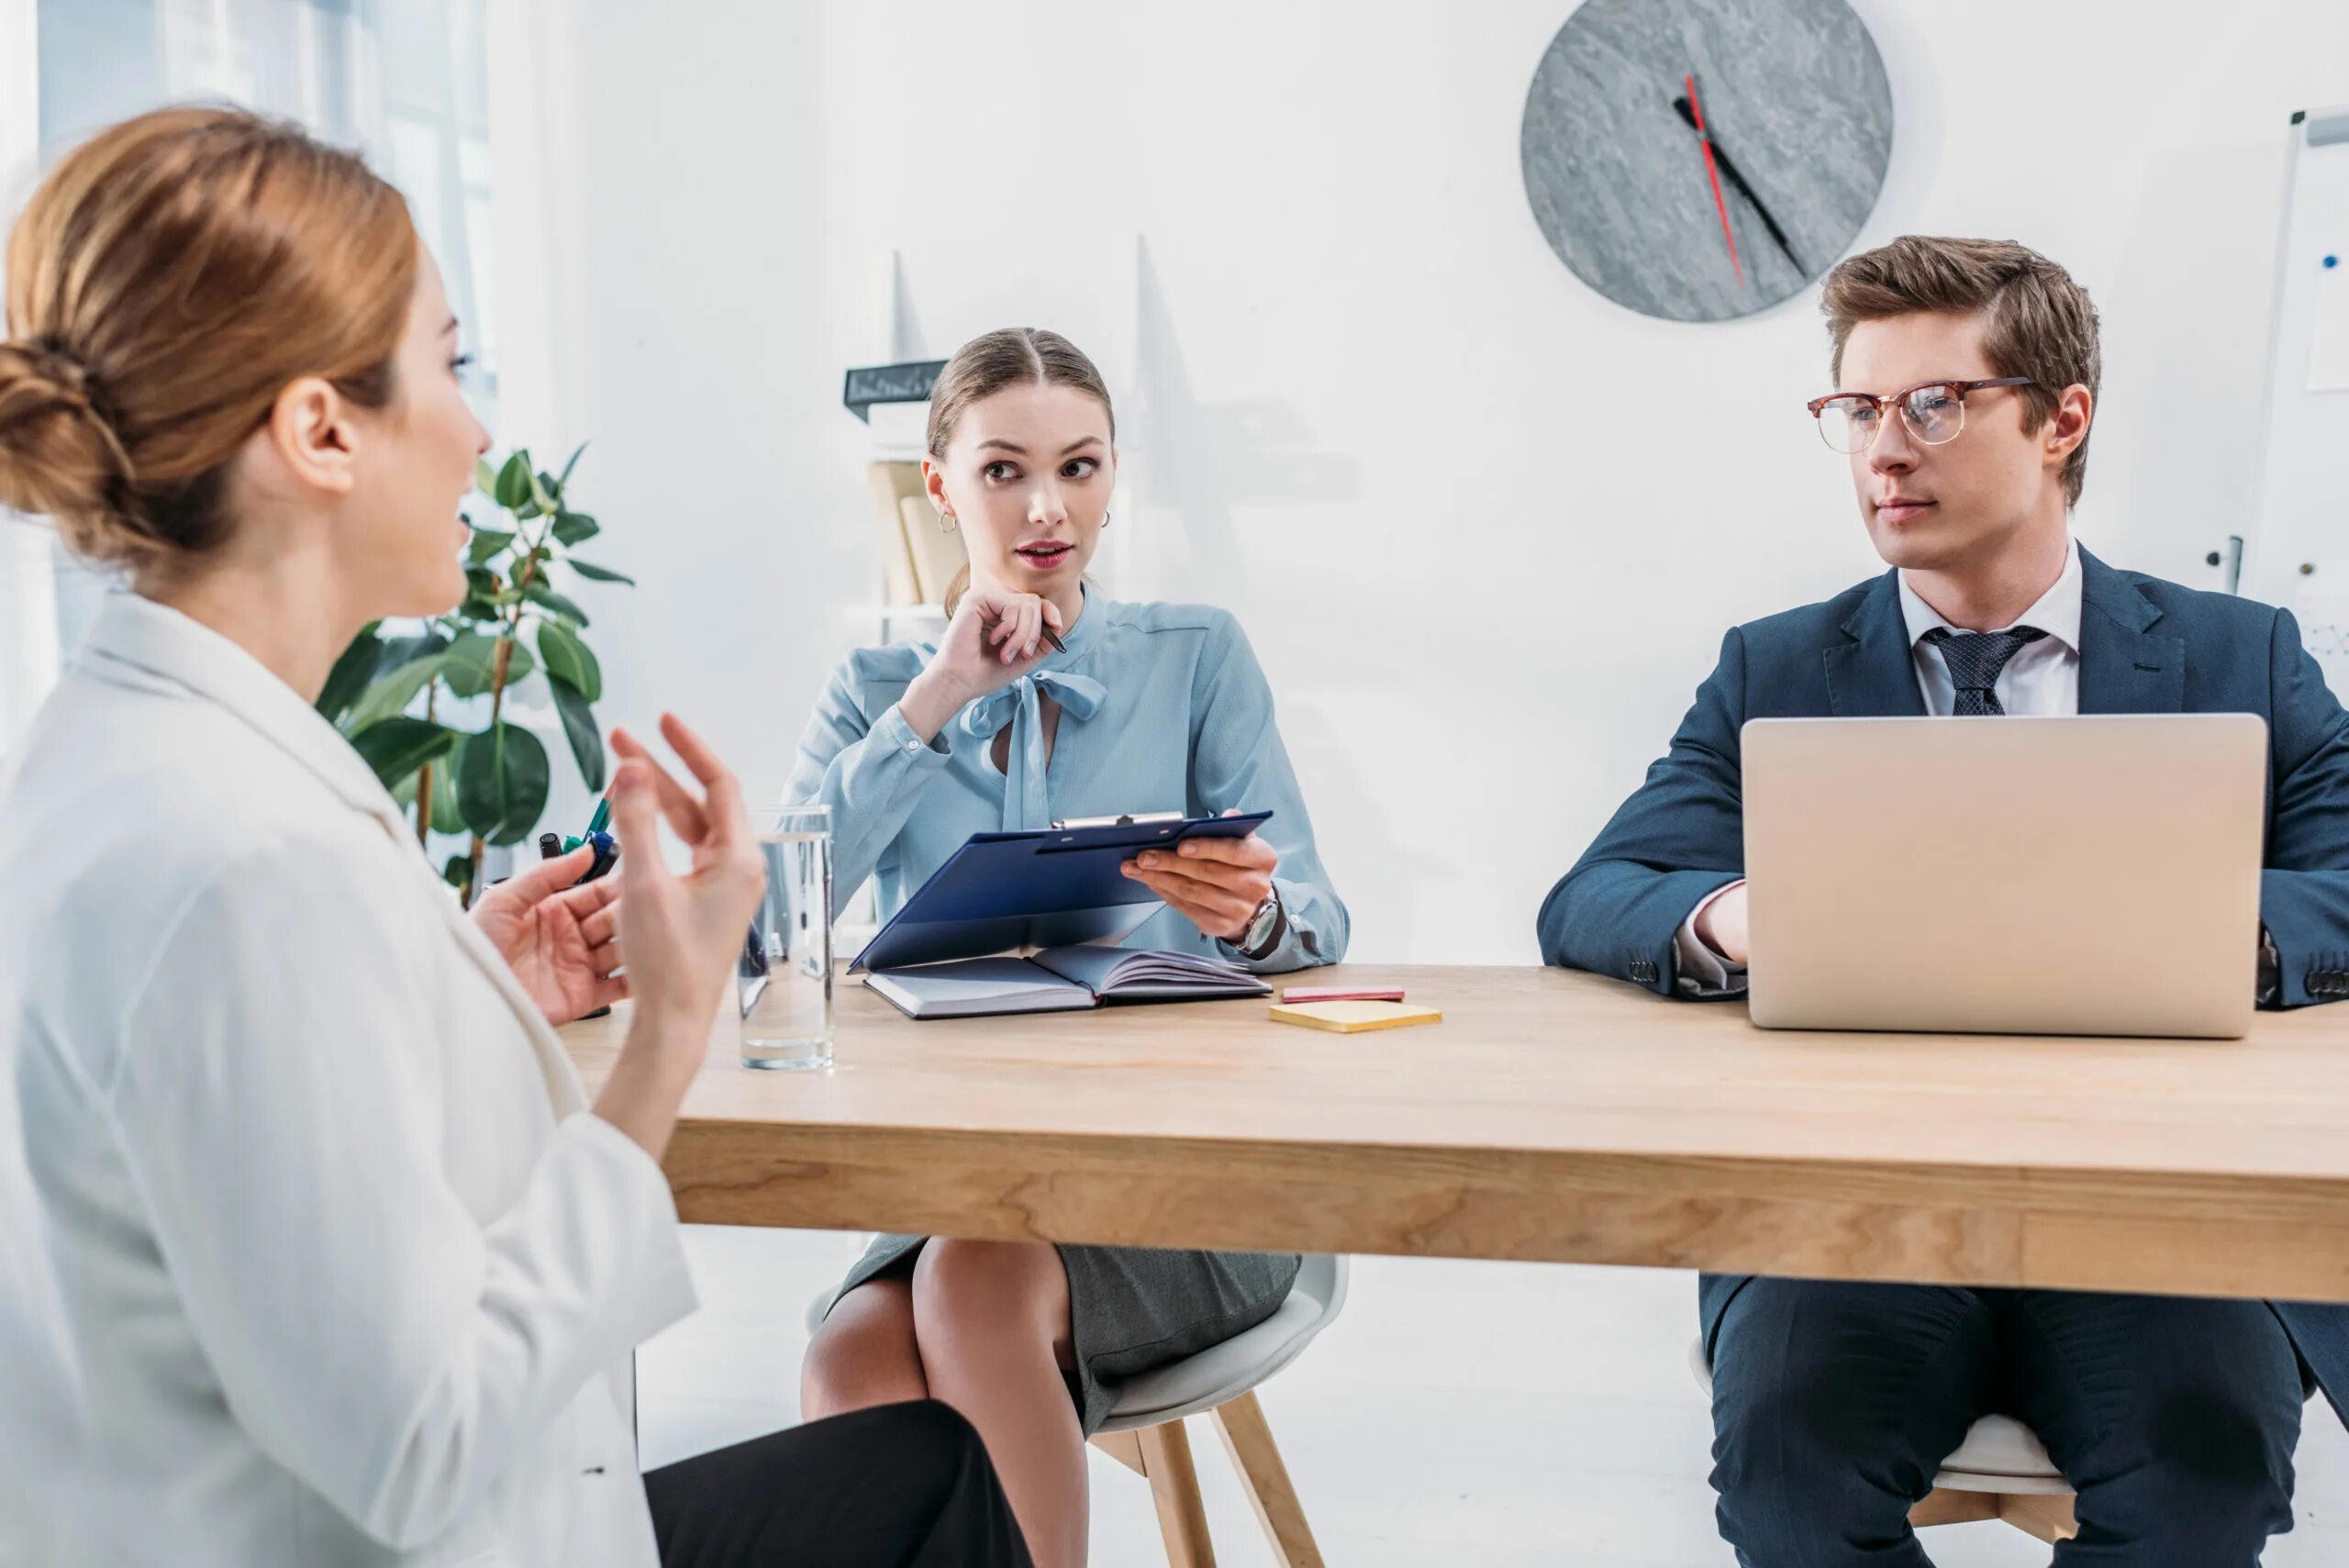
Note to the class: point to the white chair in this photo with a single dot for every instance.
(1145, 1431)
(2000, 1471)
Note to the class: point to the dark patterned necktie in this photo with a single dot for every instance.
(1973, 660)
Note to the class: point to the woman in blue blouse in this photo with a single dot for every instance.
(1151, 708)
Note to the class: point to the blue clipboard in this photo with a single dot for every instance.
(1055, 888)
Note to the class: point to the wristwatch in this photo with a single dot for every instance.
(1263, 928)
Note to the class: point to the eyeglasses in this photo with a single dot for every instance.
(1934, 412)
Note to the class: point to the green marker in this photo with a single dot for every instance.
(602, 816)
(570, 843)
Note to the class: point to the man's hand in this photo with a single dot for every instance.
(1720, 926)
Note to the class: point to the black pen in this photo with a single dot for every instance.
(1058, 646)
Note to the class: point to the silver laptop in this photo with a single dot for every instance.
(2093, 875)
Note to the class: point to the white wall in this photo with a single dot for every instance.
(1466, 508)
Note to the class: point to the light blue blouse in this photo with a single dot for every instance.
(1164, 707)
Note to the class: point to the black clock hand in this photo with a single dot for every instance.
(1730, 170)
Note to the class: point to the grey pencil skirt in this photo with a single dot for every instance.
(1132, 1309)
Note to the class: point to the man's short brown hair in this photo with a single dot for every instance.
(2037, 321)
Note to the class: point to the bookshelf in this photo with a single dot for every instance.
(903, 623)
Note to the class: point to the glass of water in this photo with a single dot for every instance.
(784, 980)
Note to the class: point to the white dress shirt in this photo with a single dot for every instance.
(310, 1250)
(2044, 677)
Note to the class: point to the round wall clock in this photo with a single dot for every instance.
(1702, 159)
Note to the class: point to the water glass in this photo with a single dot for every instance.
(785, 981)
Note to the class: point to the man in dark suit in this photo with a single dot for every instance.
(1966, 375)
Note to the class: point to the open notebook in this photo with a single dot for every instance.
(1060, 980)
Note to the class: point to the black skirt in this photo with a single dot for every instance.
(1133, 1309)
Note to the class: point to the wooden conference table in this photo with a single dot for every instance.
(1556, 1116)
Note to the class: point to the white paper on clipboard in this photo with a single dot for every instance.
(2329, 325)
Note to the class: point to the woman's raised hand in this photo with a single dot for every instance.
(993, 639)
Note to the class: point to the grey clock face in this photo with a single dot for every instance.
(1794, 97)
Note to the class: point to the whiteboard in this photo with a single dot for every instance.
(2295, 553)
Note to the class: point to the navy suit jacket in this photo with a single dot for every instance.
(2146, 646)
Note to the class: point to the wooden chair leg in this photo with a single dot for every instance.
(1944, 1507)
(1174, 1487)
(1249, 1440)
(1123, 1447)
(2049, 1517)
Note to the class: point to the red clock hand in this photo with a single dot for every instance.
(1713, 174)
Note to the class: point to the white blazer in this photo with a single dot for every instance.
(310, 1252)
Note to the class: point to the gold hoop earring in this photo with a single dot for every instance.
(947, 523)
(1104, 516)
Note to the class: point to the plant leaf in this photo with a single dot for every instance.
(514, 481)
(579, 727)
(444, 798)
(501, 782)
(519, 665)
(390, 695)
(542, 491)
(576, 528)
(351, 673)
(400, 650)
(569, 465)
(538, 592)
(445, 817)
(595, 574)
(486, 543)
(458, 872)
(472, 666)
(398, 747)
(485, 477)
(568, 661)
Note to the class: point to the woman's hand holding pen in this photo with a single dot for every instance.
(557, 934)
(994, 639)
(1218, 885)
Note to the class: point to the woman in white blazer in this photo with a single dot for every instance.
(311, 1248)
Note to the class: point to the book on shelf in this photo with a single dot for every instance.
(897, 430)
(888, 482)
(938, 554)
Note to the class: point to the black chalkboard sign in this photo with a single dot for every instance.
(889, 384)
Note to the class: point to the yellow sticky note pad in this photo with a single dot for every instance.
(1354, 1018)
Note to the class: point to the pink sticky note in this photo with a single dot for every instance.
(1296, 994)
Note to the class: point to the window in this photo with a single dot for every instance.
(404, 80)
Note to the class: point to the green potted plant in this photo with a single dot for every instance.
(427, 706)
